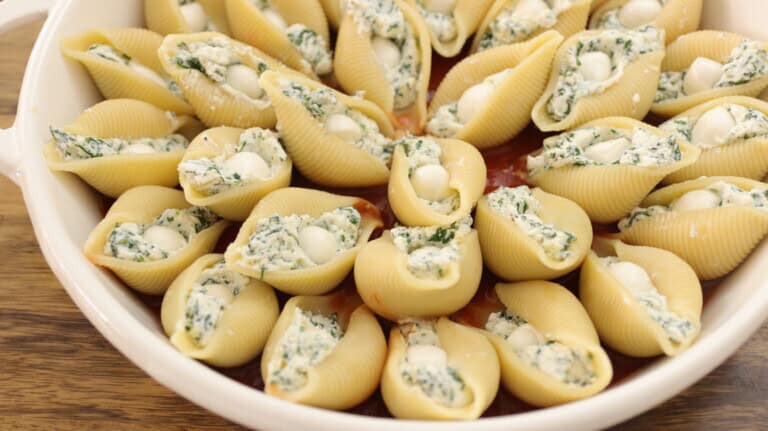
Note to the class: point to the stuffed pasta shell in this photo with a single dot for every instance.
(608, 166)
(675, 17)
(601, 73)
(451, 22)
(644, 301)
(732, 133)
(294, 32)
(515, 21)
(713, 223)
(119, 144)
(596, 4)
(325, 351)
(302, 241)
(706, 65)
(430, 271)
(185, 16)
(229, 170)
(335, 140)
(435, 182)
(123, 63)
(438, 369)
(150, 235)
(217, 315)
(486, 99)
(383, 49)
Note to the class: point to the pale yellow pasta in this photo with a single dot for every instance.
(466, 17)
(675, 17)
(334, 11)
(166, 16)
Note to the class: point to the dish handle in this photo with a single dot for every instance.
(14, 13)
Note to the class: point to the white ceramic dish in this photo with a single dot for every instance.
(63, 211)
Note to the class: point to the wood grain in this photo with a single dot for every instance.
(58, 372)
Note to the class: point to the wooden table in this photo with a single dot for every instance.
(57, 372)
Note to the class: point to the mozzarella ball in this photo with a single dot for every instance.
(632, 276)
(319, 244)
(386, 51)
(247, 164)
(440, 6)
(607, 152)
(712, 128)
(245, 80)
(702, 75)
(275, 19)
(147, 73)
(195, 17)
(635, 13)
(344, 127)
(165, 238)
(531, 9)
(696, 200)
(426, 355)
(139, 148)
(525, 335)
(472, 101)
(430, 182)
(595, 66)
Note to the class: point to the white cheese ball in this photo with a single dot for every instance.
(426, 355)
(139, 148)
(195, 17)
(702, 75)
(696, 200)
(595, 66)
(528, 9)
(635, 13)
(220, 292)
(632, 276)
(344, 127)
(245, 80)
(386, 51)
(525, 335)
(712, 127)
(608, 151)
(165, 238)
(430, 182)
(319, 244)
(275, 19)
(440, 6)
(147, 73)
(472, 101)
(248, 165)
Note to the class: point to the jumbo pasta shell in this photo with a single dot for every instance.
(632, 96)
(569, 22)
(467, 16)
(677, 17)
(238, 202)
(620, 319)
(249, 25)
(557, 313)
(467, 171)
(358, 69)
(354, 366)
(115, 80)
(127, 119)
(292, 200)
(609, 192)
(507, 111)
(715, 45)
(743, 158)
(512, 255)
(713, 241)
(165, 17)
(596, 4)
(392, 291)
(323, 157)
(242, 329)
(141, 205)
(467, 351)
(334, 11)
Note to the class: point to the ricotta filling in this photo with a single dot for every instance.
(110, 53)
(309, 339)
(71, 146)
(519, 20)
(521, 207)
(195, 16)
(596, 63)
(257, 156)
(566, 364)
(165, 236)
(442, 24)
(723, 125)
(632, 14)
(428, 175)
(425, 366)
(431, 250)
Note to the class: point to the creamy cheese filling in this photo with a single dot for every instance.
(519, 20)
(429, 177)
(431, 250)
(451, 118)
(596, 63)
(632, 14)
(717, 195)
(195, 16)
(309, 339)
(352, 126)
(110, 53)
(567, 364)
(605, 146)
(518, 205)
(394, 43)
(636, 280)
(425, 365)
(438, 14)
(747, 62)
(722, 125)
(258, 155)
(170, 232)
(214, 289)
(280, 243)
(71, 146)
